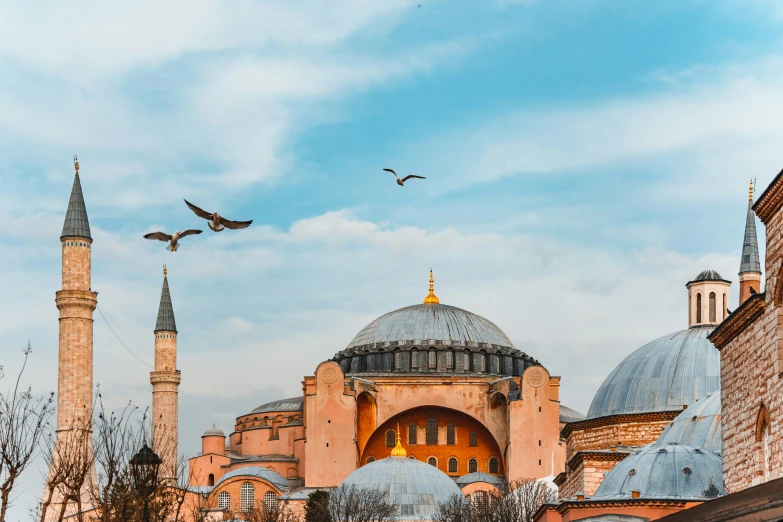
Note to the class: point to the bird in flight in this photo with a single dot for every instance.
(400, 182)
(173, 240)
(216, 221)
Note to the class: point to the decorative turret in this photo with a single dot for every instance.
(708, 299)
(165, 381)
(750, 267)
(431, 298)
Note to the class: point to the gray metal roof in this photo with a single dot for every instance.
(270, 476)
(431, 322)
(698, 426)
(214, 431)
(570, 415)
(709, 275)
(302, 493)
(750, 246)
(416, 487)
(76, 222)
(663, 375)
(470, 478)
(292, 404)
(670, 472)
(166, 321)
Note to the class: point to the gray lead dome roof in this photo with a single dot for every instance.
(292, 404)
(425, 322)
(672, 472)
(663, 375)
(414, 486)
(698, 426)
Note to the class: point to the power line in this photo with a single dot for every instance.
(100, 311)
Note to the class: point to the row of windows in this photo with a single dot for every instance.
(77, 243)
(453, 464)
(161, 336)
(432, 360)
(247, 499)
(712, 308)
(431, 434)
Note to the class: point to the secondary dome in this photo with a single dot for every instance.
(214, 431)
(663, 375)
(431, 322)
(414, 486)
(292, 404)
(672, 472)
(697, 426)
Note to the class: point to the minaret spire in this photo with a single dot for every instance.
(76, 222)
(166, 320)
(750, 266)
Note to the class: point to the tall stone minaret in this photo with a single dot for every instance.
(76, 303)
(165, 381)
(750, 267)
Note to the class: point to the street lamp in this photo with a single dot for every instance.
(144, 468)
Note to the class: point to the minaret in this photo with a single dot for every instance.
(76, 303)
(750, 267)
(165, 381)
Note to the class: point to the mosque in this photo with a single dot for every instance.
(431, 400)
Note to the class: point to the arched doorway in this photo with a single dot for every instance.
(366, 411)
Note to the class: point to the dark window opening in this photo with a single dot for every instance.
(432, 431)
(391, 439)
(453, 467)
(473, 438)
(472, 466)
(451, 435)
(413, 434)
(493, 465)
(211, 480)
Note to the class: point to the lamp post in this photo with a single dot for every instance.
(144, 468)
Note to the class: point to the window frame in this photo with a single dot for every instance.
(472, 465)
(455, 467)
(224, 501)
(391, 442)
(247, 497)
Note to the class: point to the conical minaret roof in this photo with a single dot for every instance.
(76, 222)
(750, 247)
(166, 321)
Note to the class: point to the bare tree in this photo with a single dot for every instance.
(519, 503)
(277, 514)
(455, 509)
(352, 504)
(23, 423)
(527, 495)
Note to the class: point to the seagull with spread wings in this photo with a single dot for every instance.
(406, 178)
(216, 221)
(173, 240)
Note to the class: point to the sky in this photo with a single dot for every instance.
(584, 160)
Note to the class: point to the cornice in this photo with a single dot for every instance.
(740, 319)
(604, 456)
(770, 200)
(620, 418)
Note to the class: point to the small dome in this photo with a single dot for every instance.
(663, 375)
(671, 472)
(273, 477)
(425, 322)
(698, 426)
(214, 431)
(570, 415)
(292, 404)
(709, 275)
(415, 487)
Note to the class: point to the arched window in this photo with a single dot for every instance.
(391, 439)
(414, 358)
(397, 360)
(450, 359)
(270, 502)
(247, 497)
(698, 308)
(472, 466)
(725, 307)
(433, 359)
(713, 316)
(413, 433)
(762, 444)
(432, 431)
(466, 361)
(493, 465)
(211, 480)
(453, 465)
(482, 363)
(224, 501)
(412, 457)
(451, 435)
(370, 459)
(480, 498)
(432, 461)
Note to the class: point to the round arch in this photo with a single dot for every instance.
(485, 448)
(367, 415)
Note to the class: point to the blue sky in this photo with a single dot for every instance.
(584, 159)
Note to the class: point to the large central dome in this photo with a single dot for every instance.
(423, 323)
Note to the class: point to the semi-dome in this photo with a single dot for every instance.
(414, 486)
(570, 415)
(666, 374)
(670, 472)
(214, 431)
(292, 404)
(698, 426)
(431, 322)
(271, 476)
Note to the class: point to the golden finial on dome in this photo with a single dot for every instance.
(398, 450)
(432, 298)
(76, 163)
(165, 272)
